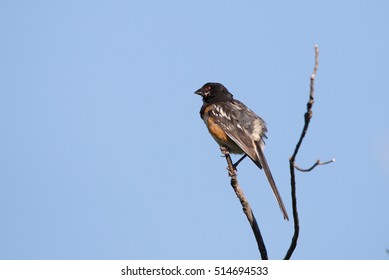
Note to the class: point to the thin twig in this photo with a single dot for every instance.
(245, 204)
(318, 162)
(307, 118)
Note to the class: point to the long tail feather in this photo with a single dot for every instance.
(266, 169)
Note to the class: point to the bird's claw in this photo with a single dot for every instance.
(232, 172)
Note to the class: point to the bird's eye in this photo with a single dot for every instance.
(207, 88)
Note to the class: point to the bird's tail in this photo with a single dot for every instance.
(263, 163)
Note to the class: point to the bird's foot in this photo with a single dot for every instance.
(225, 151)
(232, 172)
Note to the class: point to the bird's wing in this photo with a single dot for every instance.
(242, 125)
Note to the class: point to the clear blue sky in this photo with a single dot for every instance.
(103, 154)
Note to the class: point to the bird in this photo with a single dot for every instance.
(237, 128)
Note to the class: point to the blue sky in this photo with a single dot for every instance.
(103, 154)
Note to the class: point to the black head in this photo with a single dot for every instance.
(214, 92)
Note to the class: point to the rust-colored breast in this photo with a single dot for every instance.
(216, 131)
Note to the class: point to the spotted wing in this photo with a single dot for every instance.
(242, 125)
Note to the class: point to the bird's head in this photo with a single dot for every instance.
(214, 92)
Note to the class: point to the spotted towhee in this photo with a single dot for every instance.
(237, 128)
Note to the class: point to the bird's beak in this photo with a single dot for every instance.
(199, 92)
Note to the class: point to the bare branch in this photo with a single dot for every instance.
(307, 118)
(245, 204)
